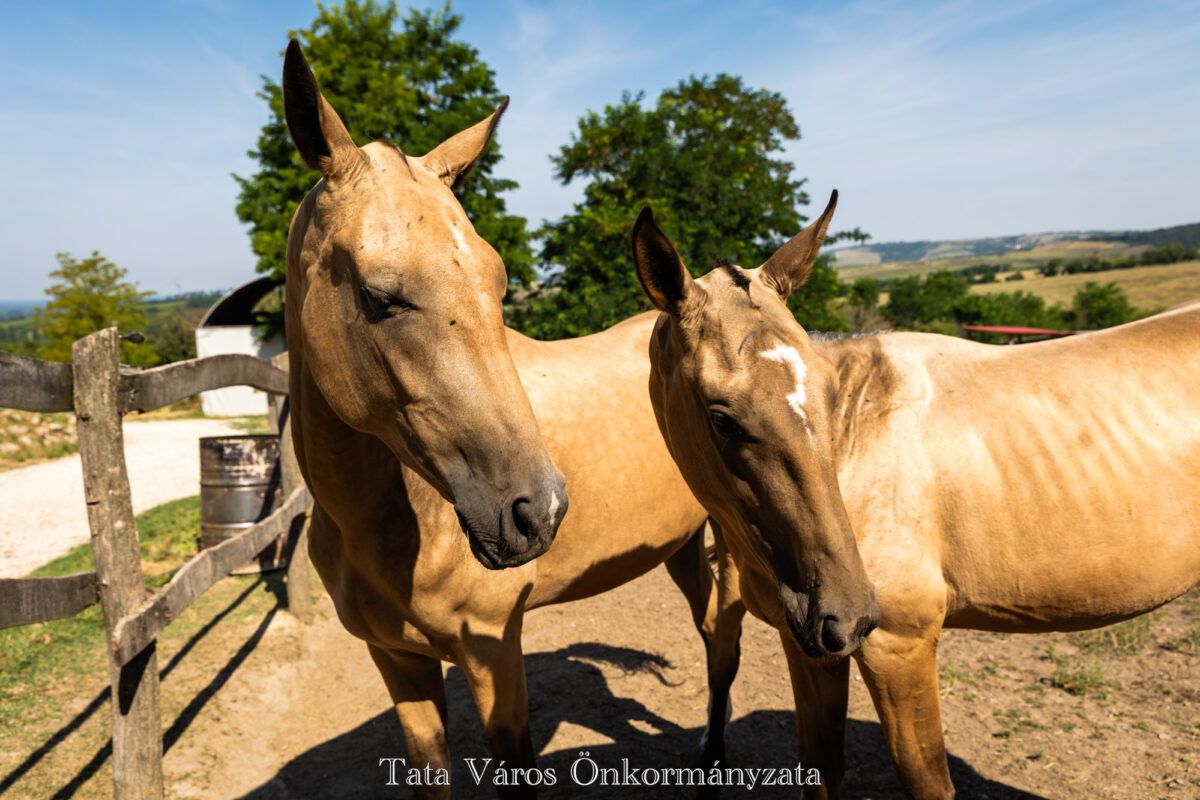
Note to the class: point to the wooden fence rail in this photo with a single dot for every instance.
(100, 390)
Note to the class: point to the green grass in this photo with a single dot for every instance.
(1013, 722)
(1078, 677)
(37, 661)
(254, 424)
(1124, 638)
(54, 675)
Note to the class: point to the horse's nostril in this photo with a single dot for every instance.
(832, 637)
(524, 523)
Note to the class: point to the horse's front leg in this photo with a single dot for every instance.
(717, 611)
(821, 688)
(495, 670)
(419, 694)
(900, 671)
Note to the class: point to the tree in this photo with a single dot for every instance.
(89, 295)
(704, 156)
(1101, 306)
(415, 85)
(864, 299)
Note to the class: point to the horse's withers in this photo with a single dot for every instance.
(395, 303)
(745, 404)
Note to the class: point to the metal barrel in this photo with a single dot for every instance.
(239, 485)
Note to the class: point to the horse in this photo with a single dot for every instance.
(418, 418)
(1045, 487)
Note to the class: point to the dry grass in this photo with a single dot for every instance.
(1017, 259)
(1147, 287)
(26, 437)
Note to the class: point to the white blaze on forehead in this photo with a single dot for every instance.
(786, 354)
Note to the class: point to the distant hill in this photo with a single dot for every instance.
(15, 309)
(1186, 235)
(926, 250)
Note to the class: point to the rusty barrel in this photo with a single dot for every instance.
(239, 485)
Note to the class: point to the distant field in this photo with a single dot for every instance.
(1017, 259)
(1147, 287)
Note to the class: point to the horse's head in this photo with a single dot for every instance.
(400, 323)
(745, 403)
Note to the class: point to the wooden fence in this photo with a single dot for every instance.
(100, 390)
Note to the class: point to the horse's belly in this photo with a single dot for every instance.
(1078, 577)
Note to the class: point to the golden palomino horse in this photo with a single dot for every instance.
(1045, 487)
(417, 417)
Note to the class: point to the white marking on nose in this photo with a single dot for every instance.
(786, 354)
(553, 511)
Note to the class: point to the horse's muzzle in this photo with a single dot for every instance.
(524, 527)
(825, 633)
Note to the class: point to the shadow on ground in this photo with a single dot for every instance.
(186, 716)
(567, 686)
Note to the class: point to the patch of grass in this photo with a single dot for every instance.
(187, 408)
(254, 424)
(27, 437)
(1124, 638)
(1188, 643)
(951, 674)
(1078, 677)
(1013, 722)
(36, 661)
(52, 674)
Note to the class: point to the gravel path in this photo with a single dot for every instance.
(42, 512)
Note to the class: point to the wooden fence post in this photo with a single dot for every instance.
(299, 580)
(137, 724)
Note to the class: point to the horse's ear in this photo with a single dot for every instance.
(788, 268)
(319, 134)
(452, 159)
(660, 270)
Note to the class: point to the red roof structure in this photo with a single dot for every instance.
(1019, 333)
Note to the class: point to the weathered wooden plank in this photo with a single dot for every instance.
(146, 390)
(299, 573)
(31, 384)
(142, 625)
(137, 725)
(24, 601)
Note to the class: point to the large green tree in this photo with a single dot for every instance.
(88, 295)
(705, 156)
(408, 81)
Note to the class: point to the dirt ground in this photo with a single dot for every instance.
(259, 706)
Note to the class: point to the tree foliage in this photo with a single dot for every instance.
(413, 84)
(705, 158)
(88, 295)
(941, 301)
(1101, 306)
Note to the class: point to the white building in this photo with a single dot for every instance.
(228, 327)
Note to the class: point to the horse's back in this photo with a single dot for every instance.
(1051, 484)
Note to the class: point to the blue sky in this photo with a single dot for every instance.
(120, 123)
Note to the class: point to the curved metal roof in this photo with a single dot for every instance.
(236, 307)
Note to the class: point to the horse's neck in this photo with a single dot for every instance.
(868, 384)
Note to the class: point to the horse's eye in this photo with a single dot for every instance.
(379, 304)
(725, 425)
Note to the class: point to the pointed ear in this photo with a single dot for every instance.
(322, 139)
(788, 268)
(452, 159)
(663, 276)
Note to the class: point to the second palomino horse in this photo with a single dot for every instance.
(1044, 487)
